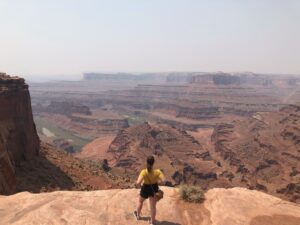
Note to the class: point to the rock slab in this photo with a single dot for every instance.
(237, 206)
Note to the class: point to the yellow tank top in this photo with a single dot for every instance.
(153, 177)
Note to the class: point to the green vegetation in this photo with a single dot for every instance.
(133, 119)
(77, 142)
(191, 193)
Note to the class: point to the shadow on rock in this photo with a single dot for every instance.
(39, 174)
(145, 218)
(166, 223)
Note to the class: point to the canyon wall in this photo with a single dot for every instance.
(18, 137)
(263, 151)
(63, 107)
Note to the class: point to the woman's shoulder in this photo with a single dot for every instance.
(157, 171)
(143, 171)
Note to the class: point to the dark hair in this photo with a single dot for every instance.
(150, 162)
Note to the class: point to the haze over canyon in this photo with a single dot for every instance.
(212, 130)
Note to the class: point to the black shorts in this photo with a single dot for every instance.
(148, 190)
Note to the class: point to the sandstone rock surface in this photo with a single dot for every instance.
(237, 206)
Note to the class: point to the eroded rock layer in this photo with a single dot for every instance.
(263, 151)
(182, 157)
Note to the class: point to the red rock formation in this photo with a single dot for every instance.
(18, 136)
(180, 156)
(263, 152)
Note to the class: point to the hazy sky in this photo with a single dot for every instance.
(44, 37)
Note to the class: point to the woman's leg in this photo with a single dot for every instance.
(140, 205)
(152, 209)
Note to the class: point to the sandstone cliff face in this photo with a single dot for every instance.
(18, 136)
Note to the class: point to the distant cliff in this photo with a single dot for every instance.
(63, 107)
(124, 76)
(216, 79)
(220, 78)
(18, 137)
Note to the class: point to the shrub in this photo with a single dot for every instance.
(191, 193)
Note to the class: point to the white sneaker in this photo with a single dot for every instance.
(137, 217)
(151, 223)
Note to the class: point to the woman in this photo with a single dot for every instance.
(149, 179)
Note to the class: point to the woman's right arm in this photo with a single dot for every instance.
(139, 181)
(161, 178)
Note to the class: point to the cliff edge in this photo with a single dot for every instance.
(18, 137)
(236, 206)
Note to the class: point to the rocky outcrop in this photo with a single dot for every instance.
(245, 207)
(263, 151)
(18, 136)
(179, 154)
(63, 145)
(235, 206)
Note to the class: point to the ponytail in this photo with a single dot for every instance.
(149, 168)
(150, 162)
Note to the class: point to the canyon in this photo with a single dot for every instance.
(26, 163)
(177, 99)
(207, 129)
(155, 112)
(260, 152)
(234, 131)
(178, 154)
